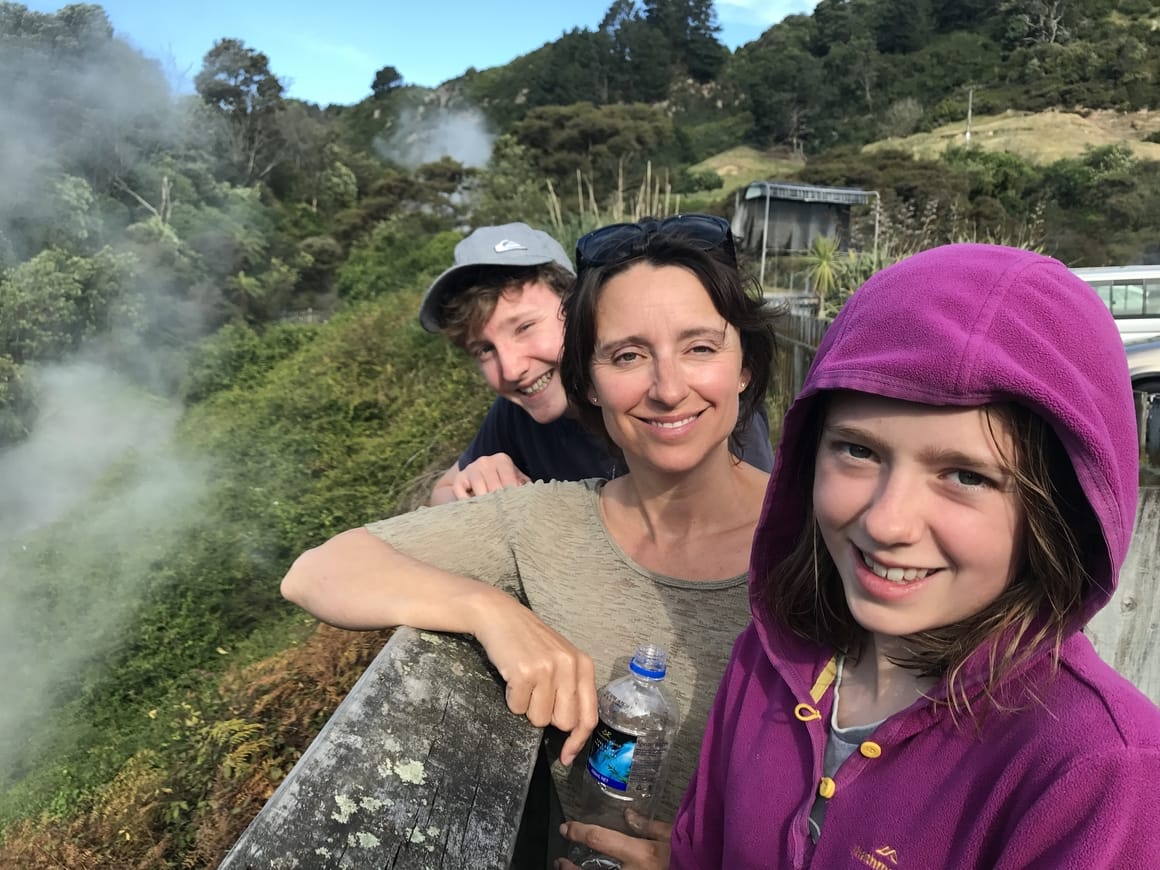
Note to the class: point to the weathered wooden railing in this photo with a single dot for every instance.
(422, 765)
(800, 335)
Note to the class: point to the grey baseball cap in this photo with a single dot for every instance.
(507, 245)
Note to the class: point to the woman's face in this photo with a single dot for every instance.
(667, 369)
(917, 509)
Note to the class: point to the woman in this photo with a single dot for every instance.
(668, 353)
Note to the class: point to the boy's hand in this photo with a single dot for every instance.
(484, 475)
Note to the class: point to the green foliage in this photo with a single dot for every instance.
(690, 28)
(821, 271)
(689, 182)
(599, 143)
(510, 189)
(779, 81)
(901, 118)
(998, 175)
(393, 257)
(307, 154)
(337, 188)
(50, 304)
(701, 140)
(236, 84)
(430, 199)
(17, 401)
(386, 80)
(326, 437)
(238, 357)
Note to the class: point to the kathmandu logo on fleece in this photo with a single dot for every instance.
(875, 861)
(508, 245)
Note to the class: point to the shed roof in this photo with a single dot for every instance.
(807, 193)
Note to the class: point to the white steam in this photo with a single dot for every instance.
(425, 135)
(100, 476)
(89, 498)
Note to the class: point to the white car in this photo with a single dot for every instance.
(1144, 363)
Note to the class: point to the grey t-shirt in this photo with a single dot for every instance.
(547, 542)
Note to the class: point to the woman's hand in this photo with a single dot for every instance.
(649, 851)
(548, 679)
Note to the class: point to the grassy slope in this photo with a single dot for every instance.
(1042, 137)
(338, 433)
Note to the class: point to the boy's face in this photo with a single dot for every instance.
(518, 350)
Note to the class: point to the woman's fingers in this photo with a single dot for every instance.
(548, 679)
(587, 713)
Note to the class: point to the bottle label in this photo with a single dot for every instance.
(610, 759)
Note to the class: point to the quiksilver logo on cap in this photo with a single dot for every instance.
(508, 245)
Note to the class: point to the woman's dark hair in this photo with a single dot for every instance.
(1039, 606)
(738, 300)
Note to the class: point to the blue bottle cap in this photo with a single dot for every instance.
(649, 662)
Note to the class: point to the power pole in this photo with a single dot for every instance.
(970, 106)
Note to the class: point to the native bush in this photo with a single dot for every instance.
(317, 435)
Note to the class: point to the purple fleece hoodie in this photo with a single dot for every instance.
(1071, 783)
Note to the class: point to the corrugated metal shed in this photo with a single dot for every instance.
(785, 217)
(807, 193)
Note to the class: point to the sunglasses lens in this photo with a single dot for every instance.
(704, 229)
(608, 244)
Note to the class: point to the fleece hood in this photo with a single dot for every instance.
(968, 325)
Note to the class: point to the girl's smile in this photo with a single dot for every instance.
(917, 509)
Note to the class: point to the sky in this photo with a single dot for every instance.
(328, 52)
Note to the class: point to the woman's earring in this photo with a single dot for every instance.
(592, 398)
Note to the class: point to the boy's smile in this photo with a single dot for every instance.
(518, 351)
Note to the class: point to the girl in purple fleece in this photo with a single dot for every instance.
(952, 499)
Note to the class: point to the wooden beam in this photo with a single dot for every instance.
(421, 766)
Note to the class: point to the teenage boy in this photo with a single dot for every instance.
(501, 303)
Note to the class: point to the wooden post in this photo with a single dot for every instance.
(1126, 633)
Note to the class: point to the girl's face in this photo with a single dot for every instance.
(916, 509)
(667, 368)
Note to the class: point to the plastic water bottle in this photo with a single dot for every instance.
(626, 756)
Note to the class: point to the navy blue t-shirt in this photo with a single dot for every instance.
(565, 450)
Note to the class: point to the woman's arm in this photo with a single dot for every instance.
(358, 581)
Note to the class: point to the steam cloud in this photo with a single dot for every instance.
(425, 135)
(62, 605)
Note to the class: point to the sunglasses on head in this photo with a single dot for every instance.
(618, 242)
